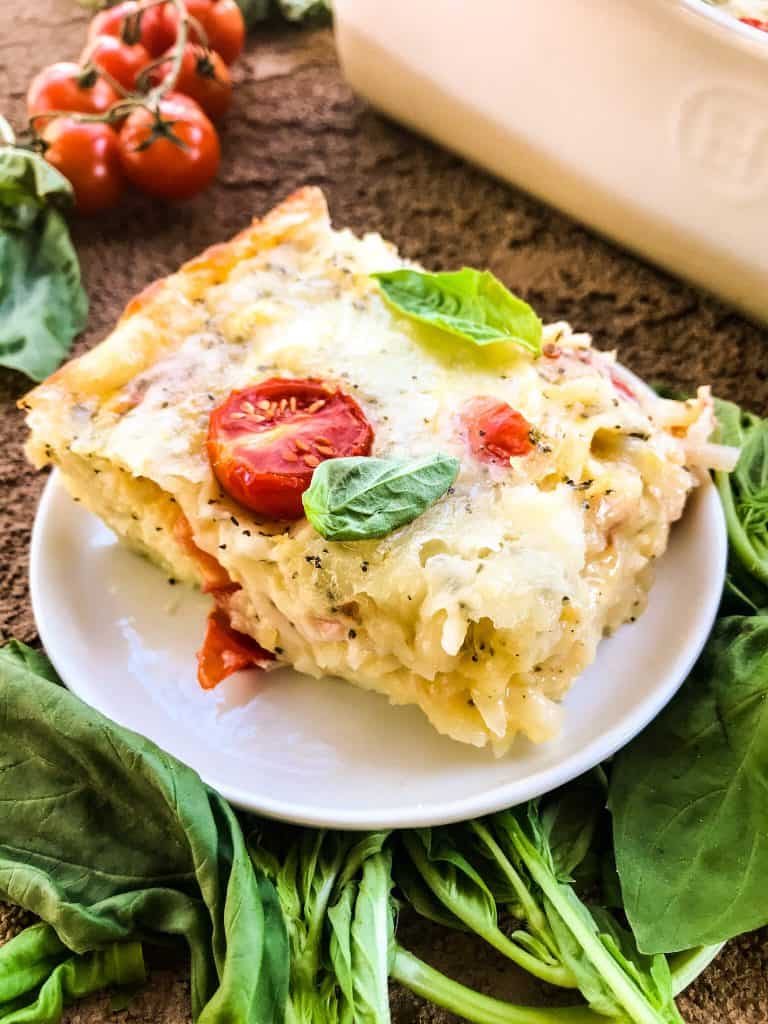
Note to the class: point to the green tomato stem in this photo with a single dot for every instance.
(473, 1006)
(168, 83)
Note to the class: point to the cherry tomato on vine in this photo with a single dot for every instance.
(88, 154)
(153, 31)
(121, 61)
(495, 430)
(66, 86)
(171, 154)
(222, 22)
(265, 441)
(204, 77)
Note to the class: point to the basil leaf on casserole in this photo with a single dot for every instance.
(472, 304)
(361, 498)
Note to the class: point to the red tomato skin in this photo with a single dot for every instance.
(163, 169)
(122, 62)
(755, 23)
(270, 478)
(212, 92)
(154, 31)
(495, 431)
(225, 650)
(88, 155)
(57, 87)
(221, 21)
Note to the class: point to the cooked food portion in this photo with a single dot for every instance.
(484, 497)
(751, 12)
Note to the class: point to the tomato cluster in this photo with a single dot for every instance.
(139, 104)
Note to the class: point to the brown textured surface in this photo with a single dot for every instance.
(294, 122)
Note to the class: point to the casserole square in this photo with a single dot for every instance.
(482, 611)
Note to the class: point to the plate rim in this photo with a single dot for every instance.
(496, 797)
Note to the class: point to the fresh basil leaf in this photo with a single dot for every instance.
(510, 886)
(27, 960)
(304, 10)
(134, 846)
(304, 865)
(744, 492)
(361, 924)
(340, 917)
(615, 979)
(28, 183)
(421, 899)
(42, 302)
(362, 498)
(372, 935)
(569, 819)
(471, 304)
(689, 799)
(255, 11)
(19, 654)
(39, 975)
(463, 891)
(743, 593)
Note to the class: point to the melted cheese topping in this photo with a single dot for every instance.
(485, 609)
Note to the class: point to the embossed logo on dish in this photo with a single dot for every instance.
(723, 133)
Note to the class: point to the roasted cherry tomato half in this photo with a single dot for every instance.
(88, 155)
(495, 430)
(225, 650)
(174, 154)
(121, 61)
(265, 441)
(153, 32)
(221, 21)
(67, 86)
(203, 76)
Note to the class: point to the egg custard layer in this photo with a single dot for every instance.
(482, 611)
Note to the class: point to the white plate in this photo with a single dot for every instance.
(325, 753)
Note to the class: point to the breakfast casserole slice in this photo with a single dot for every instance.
(279, 350)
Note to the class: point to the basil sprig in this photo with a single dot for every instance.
(361, 498)
(471, 304)
(42, 302)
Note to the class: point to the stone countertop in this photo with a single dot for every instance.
(294, 121)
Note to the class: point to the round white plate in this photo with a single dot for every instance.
(325, 753)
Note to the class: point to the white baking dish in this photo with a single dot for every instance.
(647, 119)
